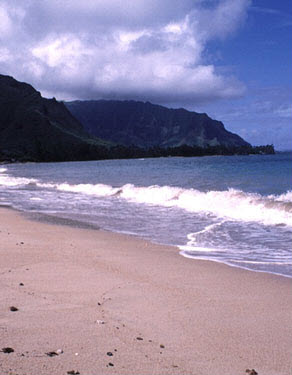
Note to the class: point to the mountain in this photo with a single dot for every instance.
(33, 128)
(38, 129)
(147, 125)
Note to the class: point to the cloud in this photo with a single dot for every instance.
(284, 19)
(149, 50)
(5, 22)
(219, 21)
(284, 111)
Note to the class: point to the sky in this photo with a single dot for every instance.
(231, 59)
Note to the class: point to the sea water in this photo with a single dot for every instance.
(231, 209)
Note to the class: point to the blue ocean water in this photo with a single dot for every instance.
(231, 209)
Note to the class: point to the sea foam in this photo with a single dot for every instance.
(231, 203)
(227, 204)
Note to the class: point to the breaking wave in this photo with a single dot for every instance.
(229, 204)
(6, 180)
(232, 204)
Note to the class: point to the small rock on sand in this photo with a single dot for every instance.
(251, 372)
(13, 308)
(7, 350)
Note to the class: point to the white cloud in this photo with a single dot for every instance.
(219, 21)
(149, 50)
(284, 111)
(5, 55)
(65, 51)
(5, 22)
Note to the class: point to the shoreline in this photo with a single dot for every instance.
(239, 267)
(94, 292)
(73, 223)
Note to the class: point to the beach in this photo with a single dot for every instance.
(96, 302)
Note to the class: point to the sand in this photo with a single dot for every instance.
(108, 303)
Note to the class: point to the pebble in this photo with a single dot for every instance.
(111, 364)
(73, 372)
(13, 308)
(59, 351)
(251, 372)
(7, 350)
(100, 321)
(51, 354)
(139, 338)
(110, 354)
(21, 284)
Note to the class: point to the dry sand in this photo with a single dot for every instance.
(92, 293)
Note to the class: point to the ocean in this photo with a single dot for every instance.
(231, 209)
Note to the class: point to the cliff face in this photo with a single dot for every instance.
(33, 128)
(39, 129)
(147, 125)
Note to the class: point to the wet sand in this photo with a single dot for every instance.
(107, 303)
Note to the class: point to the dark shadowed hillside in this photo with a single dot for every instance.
(38, 129)
(33, 128)
(147, 125)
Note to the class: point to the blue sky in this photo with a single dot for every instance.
(228, 58)
(260, 55)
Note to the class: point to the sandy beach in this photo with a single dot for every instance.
(96, 302)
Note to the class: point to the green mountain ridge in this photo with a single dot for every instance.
(38, 129)
(144, 125)
(33, 128)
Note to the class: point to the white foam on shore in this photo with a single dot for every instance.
(6, 180)
(239, 264)
(261, 262)
(200, 249)
(229, 204)
(99, 190)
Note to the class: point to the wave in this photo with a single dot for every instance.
(6, 180)
(229, 204)
(286, 197)
(99, 190)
